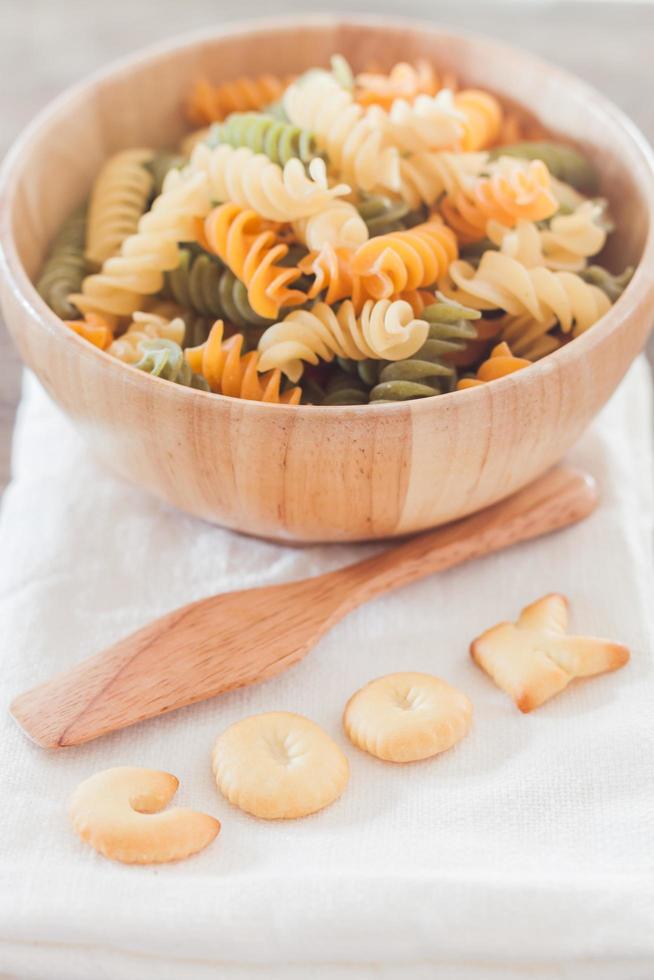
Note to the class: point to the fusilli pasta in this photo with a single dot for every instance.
(563, 162)
(502, 283)
(119, 197)
(404, 81)
(211, 103)
(564, 243)
(93, 328)
(65, 267)
(146, 326)
(513, 191)
(279, 141)
(499, 364)
(253, 181)
(355, 148)
(384, 329)
(252, 249)
(165, 359)
(228, 372)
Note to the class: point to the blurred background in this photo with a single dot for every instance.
(46, 45)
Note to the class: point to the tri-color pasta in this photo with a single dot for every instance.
(338, 238)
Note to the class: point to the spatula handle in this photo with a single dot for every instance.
(561, 497)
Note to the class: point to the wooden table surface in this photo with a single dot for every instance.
(46, 45)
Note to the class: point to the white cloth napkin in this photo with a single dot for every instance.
(524, 851)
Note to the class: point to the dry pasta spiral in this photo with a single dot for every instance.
(340, 224)
(253, 251)
(426, 176)
(500, 363)
(528, 337)
(211, 103)
(279, 141)
(253, 181)
(563, 162)
(228, 372)
(482, 119)
(405, 260)
(96, 329)
(138, 270)
(146, 326)
(119, 197)
(384, 329)
(566, 242)
(65, 267)
(427, 123)
(501, 283)
(165, 359)
(404, 81)
(356, 149)
(513, 191)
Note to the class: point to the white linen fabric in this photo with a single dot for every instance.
(525, 851)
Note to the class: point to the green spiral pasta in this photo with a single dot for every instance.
(160, 164)
(344, 386)
(384, 215)
(280, 141)
(201, 283)
(276, 111)
(427, 372)
(165, 359)
(610, 283)
(65, 267)
(563, 162)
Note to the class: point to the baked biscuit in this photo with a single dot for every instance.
(279, 765)
(534, 659)
(117, 812)
(405, 717)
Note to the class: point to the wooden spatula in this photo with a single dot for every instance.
(240, 638)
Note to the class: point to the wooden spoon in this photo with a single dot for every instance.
(239, 638)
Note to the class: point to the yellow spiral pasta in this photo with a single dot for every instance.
(566, 243)
(425, 176)
(252, 249)
(209, 103)
(482, 119)
(228, 372)
(384, 330)
(339, 225)
(404, 81)
(145, 326)
(254, 181)
(500, 363)
(356, 149)
(138, 270)
(405, 260)
(528, 337)
(118, 199)
(514, 190)
(502, 283)
(427, 123)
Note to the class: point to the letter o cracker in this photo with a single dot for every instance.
(279, 765)
(406, 717)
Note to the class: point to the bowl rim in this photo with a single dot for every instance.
(639, 290)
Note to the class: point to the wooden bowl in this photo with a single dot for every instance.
(311, 473)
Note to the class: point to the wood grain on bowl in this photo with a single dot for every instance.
(310, 473)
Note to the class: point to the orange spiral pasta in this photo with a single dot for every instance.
(514, 192)
(228, 372)
(482, 119)
(209, 103)
(404, 81)
(96, 329)
(405, 260)
(385, 266)
(252, 249)
(500, 363)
